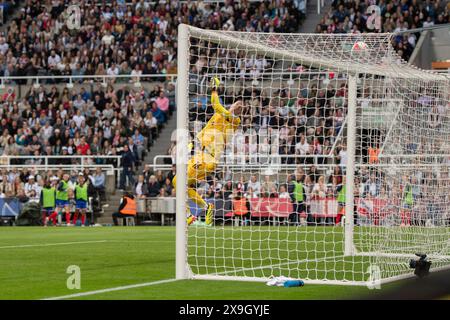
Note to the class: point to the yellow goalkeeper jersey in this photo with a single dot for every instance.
(199, 166)
(217, 131)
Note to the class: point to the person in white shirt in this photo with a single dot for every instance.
(79, 102)
(283, 193)
(140, 189)
(254, 185)
(47, 131)
(162, 24)
(320, 188)
(302, 146)
(78, 118)
(151, 122)
(4, 46)
(343, 157)
(53, 60)
(135, 73)
(158, 44)
(428, 23)
(31, 185)
(113, 70)
(108, 39)
(107, 15)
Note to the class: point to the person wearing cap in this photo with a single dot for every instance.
(81, 199)
(48, 201)
(62, 197)
(30, 185)
(127, 208)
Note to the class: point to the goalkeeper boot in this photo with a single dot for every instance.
(190, 219)
(209, 214)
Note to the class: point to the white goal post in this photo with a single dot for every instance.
(338, 172)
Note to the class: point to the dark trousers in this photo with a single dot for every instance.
(126, 172)
(299, 207)
(100, 192)
(116, 216)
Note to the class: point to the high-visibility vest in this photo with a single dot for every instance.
(298, 191)
(63, 195)
(81, 192)
(373, 155)
(130, 207)
(409, 198)
(240, 207)
(48, 197)
(341, 195)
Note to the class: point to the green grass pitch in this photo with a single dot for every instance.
(34, 260)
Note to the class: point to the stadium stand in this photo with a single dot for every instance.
(396, 15)
(130, 39)
(318, 123)
(43, 124)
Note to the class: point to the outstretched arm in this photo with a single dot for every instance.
(218, 107)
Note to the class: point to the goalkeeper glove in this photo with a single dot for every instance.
(215, 82)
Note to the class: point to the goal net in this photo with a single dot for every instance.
(338, 171)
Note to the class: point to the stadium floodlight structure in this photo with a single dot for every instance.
(359, 107)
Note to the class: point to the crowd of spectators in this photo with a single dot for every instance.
(26, 184)
(155, 184)
(120, 38)
(429, 194)
(71, 122)
(125, 37)
(284, 126)
(7, 8)
(394, 15)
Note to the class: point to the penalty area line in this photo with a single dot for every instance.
(132, 286)
(51, 244)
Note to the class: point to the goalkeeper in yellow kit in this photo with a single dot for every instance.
(213, 138)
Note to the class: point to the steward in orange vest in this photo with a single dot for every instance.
(128, 205)
(373, 155)
(241, 206)
(127, 208)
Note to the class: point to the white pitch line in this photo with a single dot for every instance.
(51, 244)
(89, 293)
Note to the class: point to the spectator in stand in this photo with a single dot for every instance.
(319, 190)
(153, 187)
(83, 146)
(140, 189)
(138, 138)
(350, 17)
(163, 102)
(172, 172)
(98, 182)
(283, 194)
(157, 113)
(168, 186)
(372, 188)
(254, 184)
(30, 186)
(268, 185)
(127, 161)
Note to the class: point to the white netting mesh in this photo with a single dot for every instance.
(278, 186)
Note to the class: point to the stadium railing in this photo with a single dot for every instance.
(273, 160)
(46, 159)
(74, 78)
(23, 83)
(111, 170)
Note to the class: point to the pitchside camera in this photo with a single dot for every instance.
(421, 266)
